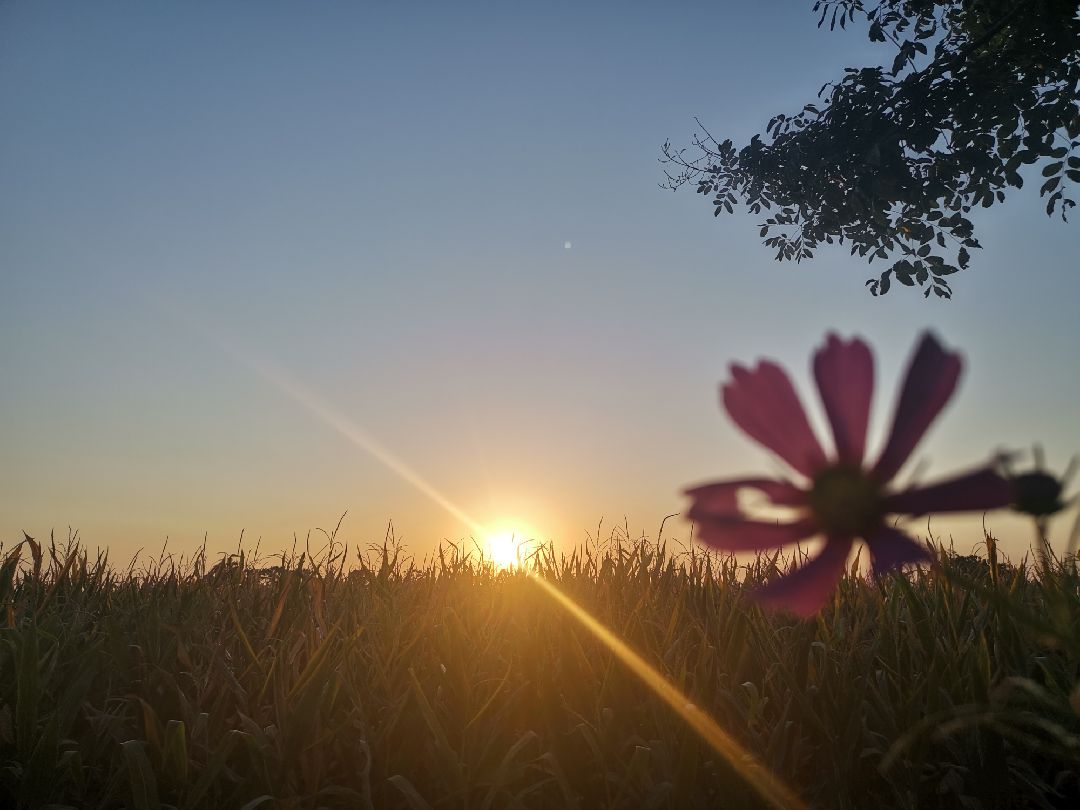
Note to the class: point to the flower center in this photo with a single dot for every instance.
(846, 501)
(1037, 493)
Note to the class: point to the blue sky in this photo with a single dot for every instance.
(376, 198)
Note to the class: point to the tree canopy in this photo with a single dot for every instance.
(890, 160)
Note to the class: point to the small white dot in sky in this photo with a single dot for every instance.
(567, 245)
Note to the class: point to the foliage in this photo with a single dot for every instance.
(446, 684)
(892, 159)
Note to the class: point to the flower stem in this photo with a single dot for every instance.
(1045, 555)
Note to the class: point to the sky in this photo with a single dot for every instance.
(234, 235)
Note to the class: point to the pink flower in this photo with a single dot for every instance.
(842, 499)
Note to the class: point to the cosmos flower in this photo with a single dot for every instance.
(842, 498)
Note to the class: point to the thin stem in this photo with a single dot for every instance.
(1044, 547)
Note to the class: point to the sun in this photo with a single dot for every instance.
(507, 548)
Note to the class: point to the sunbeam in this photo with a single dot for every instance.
(281, 380)
(756, 775)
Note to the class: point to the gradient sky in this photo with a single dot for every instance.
(374, 199)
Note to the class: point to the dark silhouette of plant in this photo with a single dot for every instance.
(891, 160)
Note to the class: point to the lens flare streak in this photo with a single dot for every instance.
(755, 774)
(343, 425)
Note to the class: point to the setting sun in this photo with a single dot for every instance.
(508, 548)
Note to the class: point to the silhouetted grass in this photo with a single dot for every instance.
(381, 681)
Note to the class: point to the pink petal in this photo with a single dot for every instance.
(974, 491)
(720, 498)
(845, 378)
(930, 382)
(738, 534)
(806, 589)
(890, 549)
(763, 403)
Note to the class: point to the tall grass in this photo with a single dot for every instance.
(376, 680)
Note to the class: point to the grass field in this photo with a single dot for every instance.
(377, 681)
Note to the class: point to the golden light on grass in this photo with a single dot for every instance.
(756, 775)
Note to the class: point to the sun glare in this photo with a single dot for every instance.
(507, 548)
